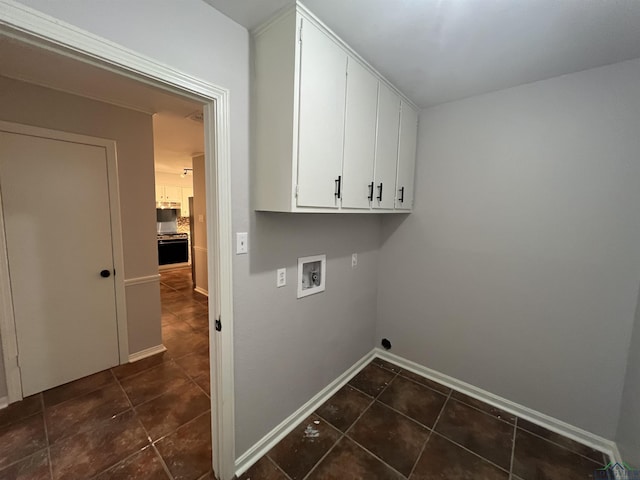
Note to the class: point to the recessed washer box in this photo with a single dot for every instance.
(311, 275)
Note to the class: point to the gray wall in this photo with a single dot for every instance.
(286, 350)
(133, 132)
(628, 435)
(518, 271)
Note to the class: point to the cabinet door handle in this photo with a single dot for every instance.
(401, 195)
(380, 192)
(370, 197)
(338, 186)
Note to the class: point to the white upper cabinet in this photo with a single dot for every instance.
(323, 69)
(326, 127)
(359, 137)
(406, 157)
(386, 148)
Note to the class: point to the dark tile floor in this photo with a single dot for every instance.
(388, 423)
(144, 420)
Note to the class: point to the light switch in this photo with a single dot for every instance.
(241, 243)
(354, 260)
(201, 218)
(281, 277)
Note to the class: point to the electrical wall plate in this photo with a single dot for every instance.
(311, 275)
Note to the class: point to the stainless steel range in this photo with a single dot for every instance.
(173, 248)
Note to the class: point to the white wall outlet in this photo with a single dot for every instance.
(281, 277)
(241, 243)
(354, 260)
(201, 218)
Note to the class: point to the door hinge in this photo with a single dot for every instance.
(297, 190)
(300, 36)
(218, 324)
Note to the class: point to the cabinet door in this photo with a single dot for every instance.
(406, 157)
(184, 203)
(359, 135)
(172, 194)
(321, 118)
(160, 193)
(386, 148)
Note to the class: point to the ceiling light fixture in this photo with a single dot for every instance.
(186, 171)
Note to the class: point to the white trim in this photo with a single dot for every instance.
(267, 442)
(201, 291)
(147, 352)
(4, 402)
(8, 326)
(7, 322)
(34, 27)
(141, 280)
(546, 421)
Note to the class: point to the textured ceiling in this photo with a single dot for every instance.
(441, 50)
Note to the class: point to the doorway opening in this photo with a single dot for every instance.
(68, 61)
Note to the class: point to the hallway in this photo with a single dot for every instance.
(145, 420)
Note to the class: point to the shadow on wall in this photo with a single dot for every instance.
(278, 239)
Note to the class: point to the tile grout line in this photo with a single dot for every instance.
(431, 430)
(373, 401)
(273, 462)
(472, 452)
(562, 446)
(165, 467)
(344, 434)
(46, 435)
(513, 448)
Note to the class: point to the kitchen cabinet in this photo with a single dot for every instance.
(168, 193)
(321, 119)
(359, 137)
(386, 160)
(184, 203)
(327, 131)
(406, 157)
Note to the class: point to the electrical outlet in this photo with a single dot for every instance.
(281, 277)
(354, 260)
(241, 243)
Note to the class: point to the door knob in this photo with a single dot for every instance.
(105, 273)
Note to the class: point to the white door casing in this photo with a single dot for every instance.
(57, 226)
(31, 26)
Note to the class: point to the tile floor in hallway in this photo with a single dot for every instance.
(388, 423)
(144, 420)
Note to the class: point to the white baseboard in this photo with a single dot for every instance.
(142, 280)
(147, 352)
(201, 290)
(251, 456)
(4, 402)
(579, 435)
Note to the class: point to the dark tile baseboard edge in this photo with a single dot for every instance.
(260, 448)
(251, 456)
(584, 437)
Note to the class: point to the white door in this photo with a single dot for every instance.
(359, 136)
(55, 199)
(386, 148)
(406, 157)
(323, 68)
